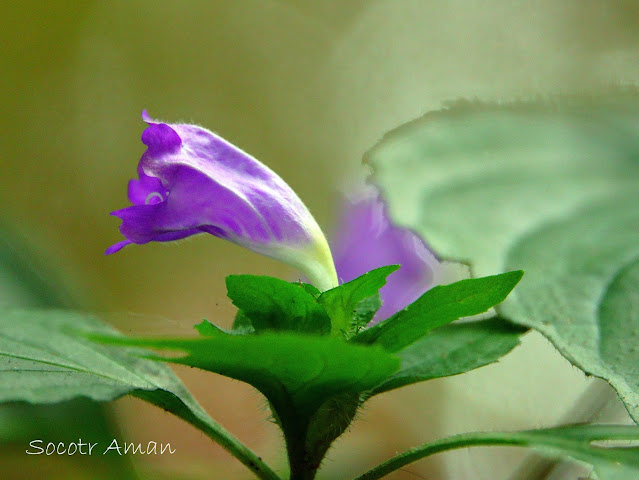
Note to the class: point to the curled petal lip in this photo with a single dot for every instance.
(116, 247)
(192, 181)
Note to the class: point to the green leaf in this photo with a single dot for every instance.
(274, 304)
(549, 187)
(453, 349)
(439, 306)
(314, 291)
(341, 302)
(293, 371)
(581, 443)
(41, 361)
(26, 281)
(208, 329)
(364, 313)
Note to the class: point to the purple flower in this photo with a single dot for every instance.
(367, 239)
(192, 181)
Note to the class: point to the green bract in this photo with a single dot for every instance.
(439, 306)
(353, 304)
(273, 304)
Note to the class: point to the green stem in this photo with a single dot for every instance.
(451, 443)
(194, 414)
(302, 463)
(303, 466)
(572, 441)
(587, 409)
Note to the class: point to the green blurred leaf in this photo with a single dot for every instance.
(551, 187)
(41, 361)
(274, 304)
(453, 349)
(25, 280)
(439, 306)
(584, 443)
(295, 372)
(22, 422)
(341, 302)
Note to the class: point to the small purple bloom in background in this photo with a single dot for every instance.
(367, 239)
(192, 181)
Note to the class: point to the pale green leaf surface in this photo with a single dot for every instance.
(241, 324)
(44, 360)
(551, 187)
(25, 280)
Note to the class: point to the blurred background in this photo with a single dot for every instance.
(307, 88)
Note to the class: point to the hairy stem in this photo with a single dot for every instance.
(451, 443)
(302, 463)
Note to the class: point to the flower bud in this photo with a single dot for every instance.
(192, 181)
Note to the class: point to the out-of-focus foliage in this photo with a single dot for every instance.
(548, 186)
(26, 281)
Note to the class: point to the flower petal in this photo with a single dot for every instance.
(145, 190)
(367, 239)
(161, 139)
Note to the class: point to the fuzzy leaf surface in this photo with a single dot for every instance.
(44, 359)
(551, 187)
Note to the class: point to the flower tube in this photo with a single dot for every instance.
(192, 181)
